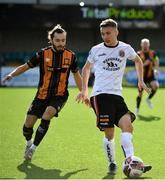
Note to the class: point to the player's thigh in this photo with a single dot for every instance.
(30, 120)
(49, 113)
(154, 84)
(125, 123)
(54, 106)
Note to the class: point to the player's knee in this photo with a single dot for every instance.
(126, 124)
(49, 113)
(27, 132)
(44, 125)
(155, 85)
(109, 133)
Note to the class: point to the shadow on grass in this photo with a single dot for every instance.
(34, 172)
(109, 176)
(148, 118)
(139, 178)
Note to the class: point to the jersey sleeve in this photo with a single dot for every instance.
(90, 57)
(74, 66)
(35, 60)
(132, 54)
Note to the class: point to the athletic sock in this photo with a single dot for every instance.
(27, 132)
(41, 131)
(152, 94)
(109, 147)
(126, 144)
(138, 101)
(29, 143)
(33, 147)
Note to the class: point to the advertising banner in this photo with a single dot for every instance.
(131, 77)
(29, 78)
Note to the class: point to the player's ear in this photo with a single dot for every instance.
(51, 41)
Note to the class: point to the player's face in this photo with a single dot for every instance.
(145, 46)
(109, 35)
(59, 41)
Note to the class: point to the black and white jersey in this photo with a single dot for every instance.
(109, 65)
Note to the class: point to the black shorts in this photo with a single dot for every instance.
(109, 109)
(148, 80)
(39, 106)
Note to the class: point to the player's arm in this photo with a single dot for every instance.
(139, 70)
(78, 80)
(83, 95)
(156, 65)
(17, 71)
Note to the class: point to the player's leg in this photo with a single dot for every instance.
(126, 136)
(28, 130)
(35, 111)
(41, 130)
(125, 123)
(54, 105)
(138, 101)
(109, 147)
(101, 106)
(44, 125)
(154, 86)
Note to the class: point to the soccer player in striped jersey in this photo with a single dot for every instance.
(151, 69)
(109, 60)
(55, 63)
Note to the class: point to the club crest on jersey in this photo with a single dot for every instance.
(66, 61)
(121, 53)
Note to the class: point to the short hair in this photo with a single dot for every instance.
(56, 29)
(109, 23)
(145, 40)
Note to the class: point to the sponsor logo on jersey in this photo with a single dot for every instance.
(103, 54)
(111, 64)
(121, 53)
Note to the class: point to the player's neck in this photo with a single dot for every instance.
(112, 44)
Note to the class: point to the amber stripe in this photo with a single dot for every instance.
(48, 56)
(63, 76)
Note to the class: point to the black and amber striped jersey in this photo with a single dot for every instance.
(149, 56)
(54, 68)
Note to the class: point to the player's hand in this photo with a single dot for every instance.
(156, 72)
(143, 86)
(7, 78)
(83, 98)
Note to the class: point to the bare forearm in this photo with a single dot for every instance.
(78, 80)
(139, 69)
(85, 78)
(19, 70)
(156, 65)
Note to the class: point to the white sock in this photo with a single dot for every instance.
(109, 147)
(127, 145)
(33, 147)
(29, 143)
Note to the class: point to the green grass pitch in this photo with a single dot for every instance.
(73, 148)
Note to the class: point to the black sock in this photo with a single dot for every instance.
(41, 131)
(27, 132)
(152, 94)
(138, 101)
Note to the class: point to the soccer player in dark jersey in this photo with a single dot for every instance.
(55, 63)
(150, 68)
